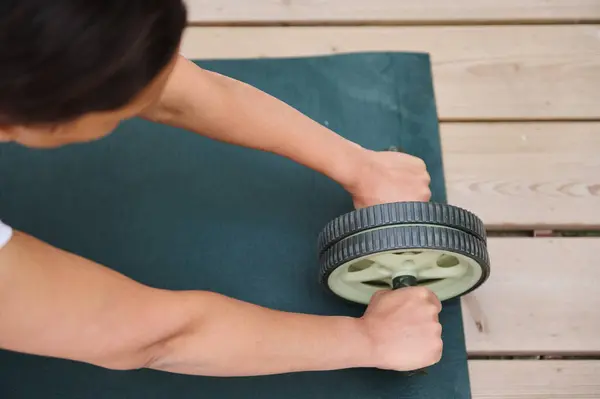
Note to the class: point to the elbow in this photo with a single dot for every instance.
(143, 354)
(130, 360)
(170, 354)
(162, 342)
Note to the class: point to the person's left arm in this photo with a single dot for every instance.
(228, 110)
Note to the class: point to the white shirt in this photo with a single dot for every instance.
(5, 234)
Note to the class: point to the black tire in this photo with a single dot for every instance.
(404, 238)
(400, 213)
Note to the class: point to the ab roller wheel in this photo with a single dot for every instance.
(390, 246)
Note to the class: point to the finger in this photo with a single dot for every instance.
(433, 299)
(377, 295)
(434, 312)
(438, 330)
(424, 194)
(438, 306)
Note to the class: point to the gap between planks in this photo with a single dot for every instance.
(392, 23)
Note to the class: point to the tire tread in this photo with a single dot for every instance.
(397, 214)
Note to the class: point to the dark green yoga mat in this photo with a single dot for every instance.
(175, 210)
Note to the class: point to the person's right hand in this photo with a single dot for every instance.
(404, 329)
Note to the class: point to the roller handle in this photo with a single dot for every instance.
(405, 282)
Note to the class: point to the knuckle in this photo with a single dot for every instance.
(422, 191)
(437, 330)
(426, 193)
(420, 163)
(439, 349)
(432, 296)
(433, 315)
(436, 305)
(378, 296)
(432, 309)
(436, 351)
(421, 293)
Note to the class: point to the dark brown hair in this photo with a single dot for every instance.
(60, 59)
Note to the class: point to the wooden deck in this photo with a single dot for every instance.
(518, 89)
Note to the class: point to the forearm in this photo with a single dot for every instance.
(226, 337)
(227, 110)
(76, 309)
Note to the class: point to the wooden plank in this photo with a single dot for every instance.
(531, 379)
(542, 298)
(525, 175)
(398, 11)
(483, 73)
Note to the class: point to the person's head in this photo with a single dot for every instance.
(71, 70)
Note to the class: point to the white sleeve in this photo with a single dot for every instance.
(5, 234)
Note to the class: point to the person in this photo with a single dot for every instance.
(71, 71)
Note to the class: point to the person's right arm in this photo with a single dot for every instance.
(53, 303)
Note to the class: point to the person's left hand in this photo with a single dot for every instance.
(384, 177)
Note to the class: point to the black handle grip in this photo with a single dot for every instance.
(404, 282)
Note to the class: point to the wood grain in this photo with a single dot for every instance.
(480, 73)
(542, 299)
(280, 11)
(525, 175)
(531, 379)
